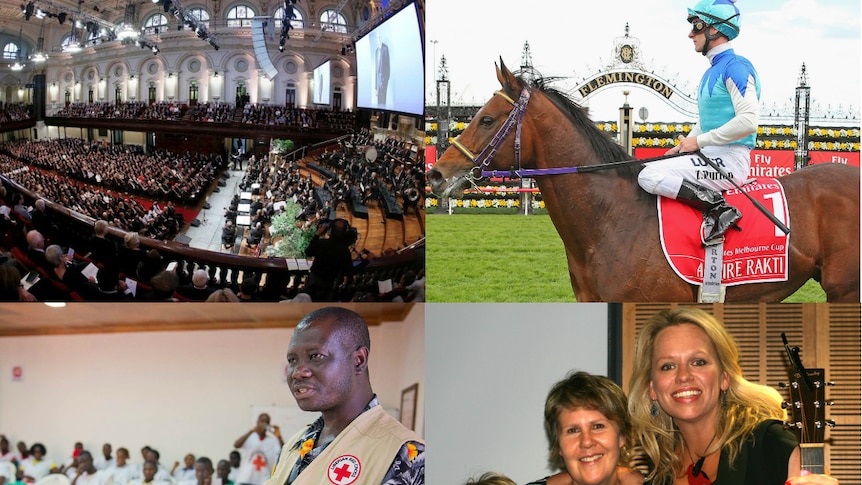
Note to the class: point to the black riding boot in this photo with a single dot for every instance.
(712, 204)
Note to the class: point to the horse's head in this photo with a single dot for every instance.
(488, 141)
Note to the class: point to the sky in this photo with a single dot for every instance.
(573, 40)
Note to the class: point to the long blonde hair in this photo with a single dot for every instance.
(744, 404)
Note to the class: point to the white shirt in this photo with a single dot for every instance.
(258, 456)
(10, 456)
(185, 474)
(100, 477)
(122, 474)
(36, 469)
(162, 474)
(156, 481)
(102, 464)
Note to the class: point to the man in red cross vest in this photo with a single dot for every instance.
(259, 449)
(354, 441)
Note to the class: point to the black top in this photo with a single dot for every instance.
(762, 459)
(331, 258)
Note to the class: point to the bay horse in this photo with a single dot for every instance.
(609, 225)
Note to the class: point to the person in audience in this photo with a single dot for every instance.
(223, 295)
(36, 466)
(87, 473)
(150, 266)
(122, 471)
(111, 289)
(223, 470)
(187, 472)
(23, 452)
(332, 263)
(6, 454)
(163, 285)
(162, 473)
(72, 460)
(199, 289)
(10, 290)
(70, 274)
(148, 475)
(259, 449)
(130, 254)
(106, 460)
(204, 472)
(36, 249)
(234, 458)
(102, 249)
(248, 290)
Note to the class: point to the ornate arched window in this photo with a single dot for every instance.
(332, 21)
(201, 15)
(155, 24)
(239, 16)
(11, 50)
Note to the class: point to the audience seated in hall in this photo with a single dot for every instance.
(158, 175)
(14, 112)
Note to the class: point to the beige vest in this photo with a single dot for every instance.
(367, 445)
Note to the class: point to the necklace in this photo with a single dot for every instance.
(696, 476)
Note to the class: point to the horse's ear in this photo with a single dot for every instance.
(508, 81)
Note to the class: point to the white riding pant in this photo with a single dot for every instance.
(665, 177)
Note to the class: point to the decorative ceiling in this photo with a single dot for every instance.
(18, 319)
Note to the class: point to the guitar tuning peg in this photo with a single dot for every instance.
(789, 424)
(785, 405)
(830, 423)
(829, 403)
(782, 385)
(830, 383)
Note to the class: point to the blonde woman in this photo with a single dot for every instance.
(698, 419)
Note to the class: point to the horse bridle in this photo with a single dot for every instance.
(515, 119)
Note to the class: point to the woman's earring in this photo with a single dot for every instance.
(653, 409)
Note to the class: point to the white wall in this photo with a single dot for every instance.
(489, 368)
(180, 392)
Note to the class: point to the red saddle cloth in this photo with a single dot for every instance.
(757, 254)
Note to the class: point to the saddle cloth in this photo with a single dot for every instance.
(757, 254)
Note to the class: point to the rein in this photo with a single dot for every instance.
(515, 120)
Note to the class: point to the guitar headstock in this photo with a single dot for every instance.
(808, 406)
(808, 410)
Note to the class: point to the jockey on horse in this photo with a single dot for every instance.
(728, 105)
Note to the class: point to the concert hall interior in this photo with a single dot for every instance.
(220, 143)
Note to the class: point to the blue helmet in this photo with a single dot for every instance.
(721, 14)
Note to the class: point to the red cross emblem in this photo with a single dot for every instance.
(259, 461)
(344, 470)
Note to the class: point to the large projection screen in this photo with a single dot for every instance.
(322, 83)
(390, 65)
